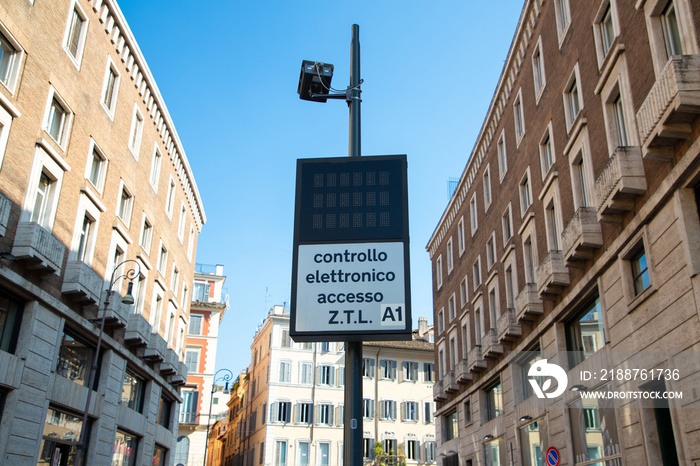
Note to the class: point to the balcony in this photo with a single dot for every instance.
(508, 327)
(491, 346)
(438, 392)
(5, 208)
(171, 362)
(116, 314)
(621, 180)
(450, 382)
(187, 417)
(156, 349)
(82, 283)
(180, 375)
(528, 305)
(672, 104)
(552, 275)
(138, 330)
(462, 372)
(475, 360)
(581, 236)
(43, 250)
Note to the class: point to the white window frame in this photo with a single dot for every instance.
(551, 203)
(529, 237)
(507, 224)
(581, 182)
(181, 223)
(476, 273)
(15, 61)
(494, 302)
(117, 241)
(488, 199)
(78, 58)
(441, 320)
(473, 214)
(170, 199)
(452, 307)
(538, 73)
(618, 85)
(154, 174)
(464, 292)
(156, 314)
(461, 239)
(101, 176)
(162, 263)
(562, 12)
(193, 350)
(67, 123)
(199, 317)
(44, 162)
(491, 254)
(174, 278)
(604, 44)
(653, 10)
(449, 252)
(147, 246)
(438, 271)
(136, 132)
(86, 207)
(117, 212)
(190, 244)
(568, 96)
(111, 68)
(5, 125)
(547, 141)
(518, 117)
(502, 155)
(510, 274)
(525, 180)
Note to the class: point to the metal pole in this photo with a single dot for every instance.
(352, 433)
(206, 443)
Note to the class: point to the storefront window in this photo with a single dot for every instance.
(124, 453)
(533, 441)
(60, 439)
(594, 431)
(74, 359)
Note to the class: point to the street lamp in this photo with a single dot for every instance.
(128, 300)
(226, 378)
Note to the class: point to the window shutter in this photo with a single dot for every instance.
(404, 371)
(393, 410)
(414, 372)
(371, 409)
(403, 410)
(319, 374)
(417, 410)
(341, 376)
(297, 412)
(274, 410)
(330, 415)
(288, 372)
(393, 369)
(371, 367)
(331, 373)
(318, 410)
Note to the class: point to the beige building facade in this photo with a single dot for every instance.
(572, 239)
(97, 202)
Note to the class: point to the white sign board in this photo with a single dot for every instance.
(350, 287)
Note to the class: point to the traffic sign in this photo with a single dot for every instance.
(350, 278)
(552, 457)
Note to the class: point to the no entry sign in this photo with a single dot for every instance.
(350, 278)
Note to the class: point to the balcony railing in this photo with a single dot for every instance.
(189, 418)
(82, 283)
(508, 327)
(5, 207)
(671, 106)
(619, 183)
(582, 235)
(462, 371)
(491, 346)
(475, 359)
(528, 305)
(41, 248)
(552, 275)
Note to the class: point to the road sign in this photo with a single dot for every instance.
(552, 457)
(350, 278)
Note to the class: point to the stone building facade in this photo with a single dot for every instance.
(92, 174)
(573, 238)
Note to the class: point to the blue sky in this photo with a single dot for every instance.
(229, 76)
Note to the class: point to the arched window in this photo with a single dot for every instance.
(182, 450)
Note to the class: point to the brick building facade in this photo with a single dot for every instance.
(92, 174)
(573, 236)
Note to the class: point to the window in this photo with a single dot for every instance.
(124, 204)
(441, 320)
(367, 408)
(561, 11)
(595, 422)
(390, 446)
(11, 55)
(450, 428)
(428, 372)
(281, 411)
(306, 373)
(525, 193)
(428, 411)
(467, 412)
(156, 308)
(190, 244)
(618, 113)
(502, 156)
(201, 292)
(146, 234)
(133, 391)
(181, 225)
(518, 117)
(551, 220)
(190, 404)
(367, 448)
(280, 453)
(195, 327)
(671, 31)
(11, 311)
(285, 342)
(529, 257)
(170, 200)
(410, 411)
(507, 225)
(285, 373)
(546, 151)
(438, 271)
(585, 332)
(531, 358)
(85, 235)
(165, 407)
(532, 441)
(410, 371)
(368, 367)
(60, 439)
(159, 456)
(325, 414)
(604, 30)
(538, 69)
(192, 360)
(125, 449)
(135, 132)
(473, 214)
(463, 292)
(75, 359)
(110, 88)
(155, 168)
(97, 167)
(76, 32)
(174, 279)
(430, 451)
(460, 236)
(58, 118)
(572, 99)
(494, 401)
(326, 375)
(494, 452)
(476, 273)
(491, 251)
(305, 413)
(450, 261)
(387, 369)
(640, 270)
(487, 187)
(412, 450)
(451, 308)
(162, 258)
